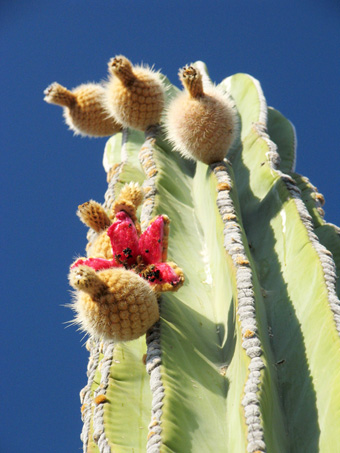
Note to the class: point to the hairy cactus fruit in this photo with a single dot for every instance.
(200, 122)
(246, 356)
(114, 304)
(93, 215)
(134, 94)
(83, 109)
(145, 254)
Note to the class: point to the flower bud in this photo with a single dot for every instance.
(134, 94)
(200, 123)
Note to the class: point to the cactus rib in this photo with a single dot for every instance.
(328, 234)
(282, 133)
(233, 244)
(150, 168)
(99, 434)
(153, 353)
(153, 363)
(113, 175)
(312, 199)
(326, 260)
(279, 240)
(87, 396)
(86, 392)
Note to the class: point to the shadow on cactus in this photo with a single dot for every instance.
(246, 356)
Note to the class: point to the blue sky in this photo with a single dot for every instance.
(291, 46)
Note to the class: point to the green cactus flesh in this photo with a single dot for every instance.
(246, 354)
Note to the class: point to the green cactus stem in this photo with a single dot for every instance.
(246, 355)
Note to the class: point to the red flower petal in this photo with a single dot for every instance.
(124, 239)
(96, 263)
(161, 274)
(151, 242)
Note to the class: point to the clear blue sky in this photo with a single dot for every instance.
(291, 46)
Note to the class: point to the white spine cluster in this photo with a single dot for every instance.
(153, 357)
(233, 244)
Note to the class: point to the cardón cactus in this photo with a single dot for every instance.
(246, 356)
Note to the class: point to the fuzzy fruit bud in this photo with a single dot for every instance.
(84, 110)
(113, 304)
(134, 94)
(200, 123)
(93, 215)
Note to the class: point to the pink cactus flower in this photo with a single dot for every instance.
(144, 254)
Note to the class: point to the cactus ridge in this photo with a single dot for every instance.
(110, 194)
(327, 233)
(260, 182)
(153, 354)
(146, 157)
(283, 133)
(86, 393)
(233, 244)
(313, 200)
(326, 261)
(99, 433)
(153, 363)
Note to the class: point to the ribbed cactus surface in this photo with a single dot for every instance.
(246, 355)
